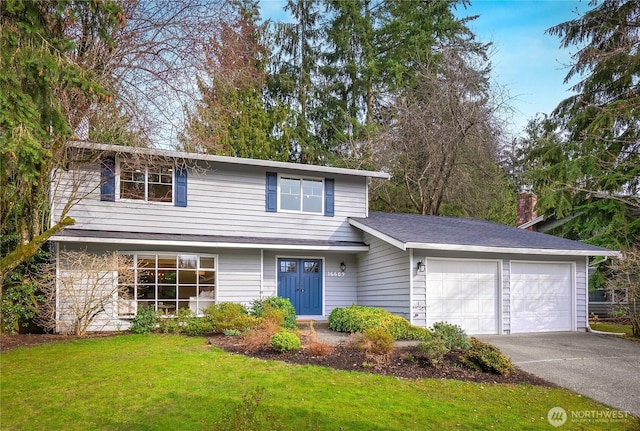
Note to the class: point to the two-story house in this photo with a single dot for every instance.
(205, 228)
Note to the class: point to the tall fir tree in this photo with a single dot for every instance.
(586, 166)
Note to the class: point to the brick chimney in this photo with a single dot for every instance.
(526, 210)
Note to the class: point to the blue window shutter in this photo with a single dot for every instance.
(329, 195)
(271, 199)
(108, 178)
(180, 198)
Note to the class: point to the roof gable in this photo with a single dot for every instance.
(407, 231)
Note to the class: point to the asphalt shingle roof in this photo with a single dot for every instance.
(426, 231)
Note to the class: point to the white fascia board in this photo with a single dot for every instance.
(265, 246)
(225, 159)
(510, 250)
(384, 237)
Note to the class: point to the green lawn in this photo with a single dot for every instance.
(138, 382)
(612, 327)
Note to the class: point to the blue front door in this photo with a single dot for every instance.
(300, 280)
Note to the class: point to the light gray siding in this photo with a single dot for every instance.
(582, 294)
(222, 200)
(384, 277)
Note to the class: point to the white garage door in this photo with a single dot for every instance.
(464, 293)
(541, 298)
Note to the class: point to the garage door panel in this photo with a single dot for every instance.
(541, 298)
(463, 293)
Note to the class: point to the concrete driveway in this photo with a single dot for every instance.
(601, 367)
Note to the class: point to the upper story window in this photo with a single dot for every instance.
(147, 183)
(301, 194)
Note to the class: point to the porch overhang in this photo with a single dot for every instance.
(208, 241)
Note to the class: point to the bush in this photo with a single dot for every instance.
(198, 326)
(229, 315)
(177, 324)
(434, 349)
(259, 307)
(285, 341)
(145, 321)
(377, 340)
(487, 358)
(358, 318)
(452, 335)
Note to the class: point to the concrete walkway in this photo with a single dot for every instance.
(601, 367)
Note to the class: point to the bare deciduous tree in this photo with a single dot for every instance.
(150, 71)
(441, 142)
(79, 288)
(623, 285)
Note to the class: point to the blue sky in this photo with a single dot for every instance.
(527, 62)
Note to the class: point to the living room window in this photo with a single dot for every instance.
(168, 282)
(301, 194)
(146, 183)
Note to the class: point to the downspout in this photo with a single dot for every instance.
(589, 328)
(261, 273)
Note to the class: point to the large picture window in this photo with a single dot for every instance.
(168, 282)
(147, 183)
(301, 194)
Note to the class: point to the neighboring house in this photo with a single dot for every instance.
(205, 229)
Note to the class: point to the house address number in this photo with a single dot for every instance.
(335, 274)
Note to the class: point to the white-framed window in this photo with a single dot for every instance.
(168, 282)
(301, 194)
(144, 182)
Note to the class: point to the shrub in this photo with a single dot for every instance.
(232, 332)
(434, 349)
(358, 318)
(285, 341)
(177, 324)
(145, 321)
(318, 348)
(452, 335)
(229, 315)
(377, 340)
(258, 310)
(259, 337)
(198, 326)
(487, 358)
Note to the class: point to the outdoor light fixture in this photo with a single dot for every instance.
(421, 266)
(343, 267)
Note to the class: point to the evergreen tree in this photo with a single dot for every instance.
(36, 73)
(587, 163)
(232, 118)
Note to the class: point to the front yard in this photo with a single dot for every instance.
(132, 382)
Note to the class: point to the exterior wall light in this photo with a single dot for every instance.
(343, 267)
(421, 266)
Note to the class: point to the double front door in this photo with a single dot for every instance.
(300, 280)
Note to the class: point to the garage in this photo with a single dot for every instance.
(541, 296)
(463, 292)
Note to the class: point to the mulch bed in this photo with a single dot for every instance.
(405, 362)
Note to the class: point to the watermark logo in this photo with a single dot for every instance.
(557, 416)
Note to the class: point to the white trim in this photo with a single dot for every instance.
(508, 250)
(225, 159)
(300, 209)
(386, 238)
(176, 243)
